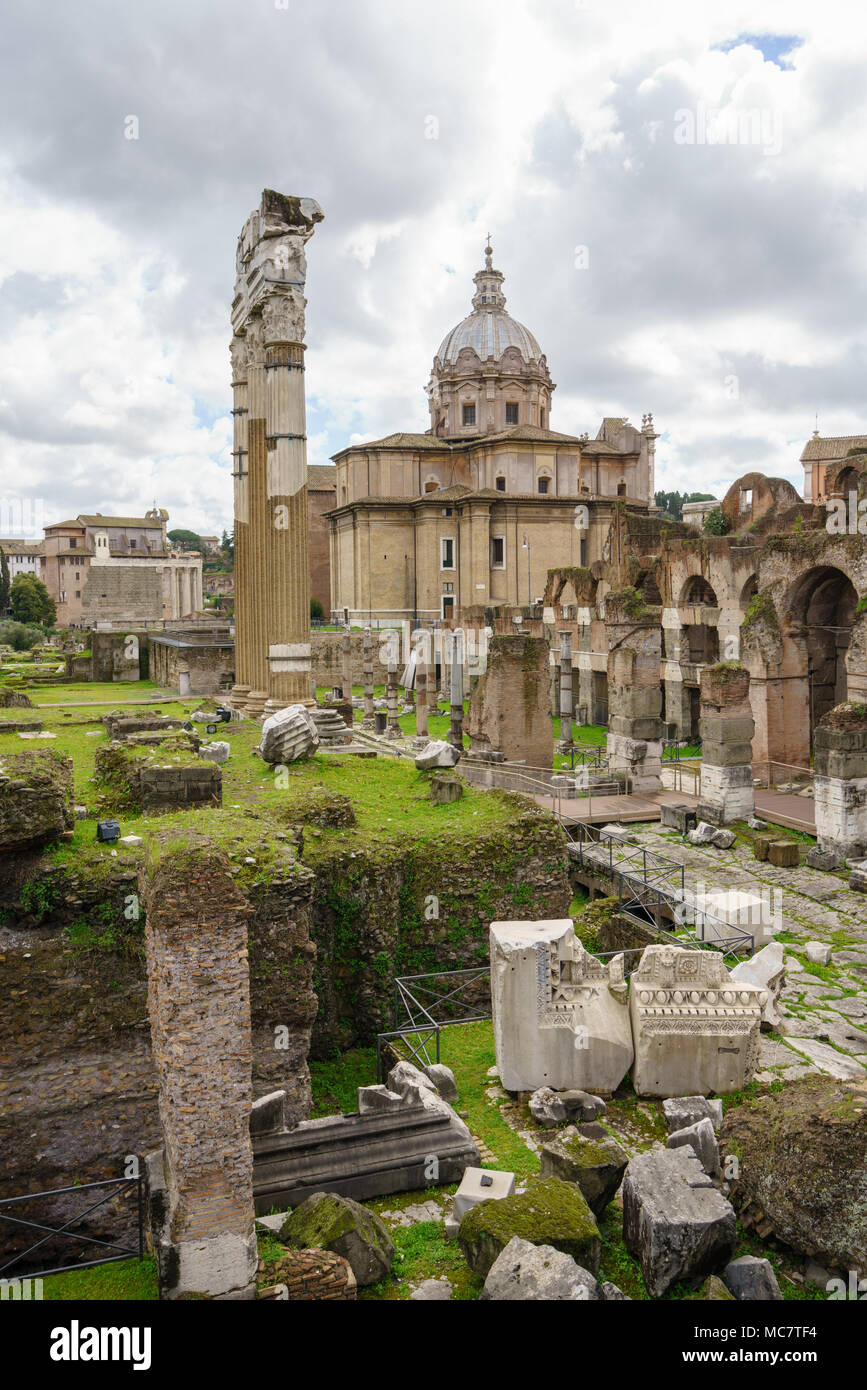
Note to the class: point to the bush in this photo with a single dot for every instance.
(20, 636)
(716, 523)
(317, 612)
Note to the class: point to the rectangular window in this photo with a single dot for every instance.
(469, 415)
(543, 484)
(73, 545)
(501, 485)
(511, 412)
(582, 552)
(78, 593)
(447, 561)
(132, 545)
(498, 552)
(448, 607)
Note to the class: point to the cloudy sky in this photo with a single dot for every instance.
(675, 192)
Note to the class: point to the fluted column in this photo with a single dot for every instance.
(257, 577)
(241, 476)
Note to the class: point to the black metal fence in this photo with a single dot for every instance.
(424, 1004)
(118, 1187)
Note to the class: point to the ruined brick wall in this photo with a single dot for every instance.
(327, 660)
(199, 1008)
(211, 668)
(510, 707)
(122, 593)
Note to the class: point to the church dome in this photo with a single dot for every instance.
(489, 330)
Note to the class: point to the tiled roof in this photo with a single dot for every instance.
(834, 446)
(321, 475)
(146, 522)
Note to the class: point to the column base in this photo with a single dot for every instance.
(256, 702)
(237, 697)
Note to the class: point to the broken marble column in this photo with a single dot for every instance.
(456, 689)
(421, 664)
(560, 1016)
(727, 730)
(566, 700)
(634, 742)
(695, 1029)
(368, 722)
(201, 1183)
(346, 662)
(840, 768)
(273, 588)
(393, 729)
(290, 734)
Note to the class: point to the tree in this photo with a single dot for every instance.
(227, 548)
(4, 582)
(185, 540)
(31, 601)
(317, 612)
(672, 502)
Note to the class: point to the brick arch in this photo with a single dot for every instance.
(849, 475)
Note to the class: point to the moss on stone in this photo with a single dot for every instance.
(550, 1212)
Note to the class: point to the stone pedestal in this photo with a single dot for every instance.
(201, 1183)
(840, 767)
(634, 743)
(727, 730)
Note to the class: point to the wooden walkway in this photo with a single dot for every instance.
(779, 808)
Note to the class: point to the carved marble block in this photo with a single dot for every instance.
(560, 1016)
(696, 1030)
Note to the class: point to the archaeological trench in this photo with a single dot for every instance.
(211, 907)
(166, 993)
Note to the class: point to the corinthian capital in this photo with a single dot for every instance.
(255, 341)
(238, 356)
(283, 317)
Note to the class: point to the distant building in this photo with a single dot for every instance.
(23, 557)
(476, 511)
(118, 569)
(321, 497)
(210, 545)
(822, 453)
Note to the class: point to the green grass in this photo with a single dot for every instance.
(127, 1279)
(335, 1084)
(422, 1252)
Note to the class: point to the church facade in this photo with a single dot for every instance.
(476, 511)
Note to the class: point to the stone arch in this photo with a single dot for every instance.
(748, 592)
(699, 592)
(850, 475)
(647, 586)
(820, 609)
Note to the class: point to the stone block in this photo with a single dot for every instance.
(549, 1212)
(443, 1079)
(858, 880)
(681, 1111)
(481, 1185)
(702, 1140)
(751, 1279)
(783, 854)
(695, 1030)
(559, 1015)
(289, 735)
(596, 1164)
(327, 1221)
(678, 817)
(445, 789)
(818, 952)
(675, 1222)
(825, 859)
(437, 754)
(524, 1272)
(215, 752)
(761, 845)
(36, 805)
(767, 969)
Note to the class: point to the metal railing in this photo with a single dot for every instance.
(782, 777)
(651, 890)
(423, 1006)
(125, 1252)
